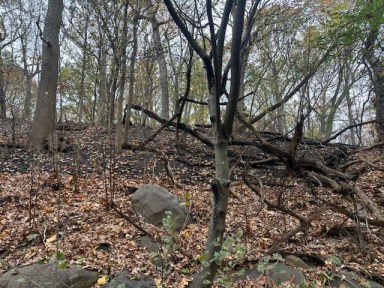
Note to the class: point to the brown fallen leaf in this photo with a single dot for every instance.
(51, 239)
(102, 280)
(48, 209)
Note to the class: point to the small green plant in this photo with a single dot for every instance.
(62, 263)
(166, 246)
(187, 199)
(332, 263)
(228, 259)
(168, 222)
(269, 262)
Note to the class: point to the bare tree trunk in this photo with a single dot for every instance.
(241, 103)
(131, 79)
(43, 125)
(3, 107)
(83, 67)
(111, 97)
(162, 67)
(351, 119)
(377, 76)
(123, 65)
(28, 81)
(102, 113)
(28, 98)
(223, 126)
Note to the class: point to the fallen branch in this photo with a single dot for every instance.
(350, 214)
(181, 126)
(130, 220)
(285, 156)
(370, 147)
(12, 145)
(345, 189)
(304, 225)
(270, 204)
(373, 165)
(158, 131)
(368, 203)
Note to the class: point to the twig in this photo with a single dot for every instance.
(130, 220)
(41, 34)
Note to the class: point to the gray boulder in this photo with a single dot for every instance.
(296, 261)
(152, 201)
(281, 273)
(48, 276)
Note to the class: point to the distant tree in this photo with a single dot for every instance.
(160, 53)
(3, 110)
(29, 41)
(44, 121)
(123, 64)
(360, 23)
(10, 32)
(132, 79)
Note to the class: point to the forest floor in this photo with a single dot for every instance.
(51, 202)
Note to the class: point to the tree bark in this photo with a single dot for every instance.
(222, 126)
(3, 107)
(131, 79)
(377, 77)
(102, 76)
(43, 126)
(83, 67)
(28, 74)
(162, 67)
(123, 65)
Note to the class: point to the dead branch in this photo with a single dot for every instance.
(372, 207)
(319, 166)
(181, 126)
(130, 220)
(304, 225)
(12, 145)
(345, 129)
(345, 166)
(350, 214)
(370, 147)
(346, 189)
(285, 156)
(373, 165)
(360, 237)
(270, 204)
(158, 131)
(270, 160)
